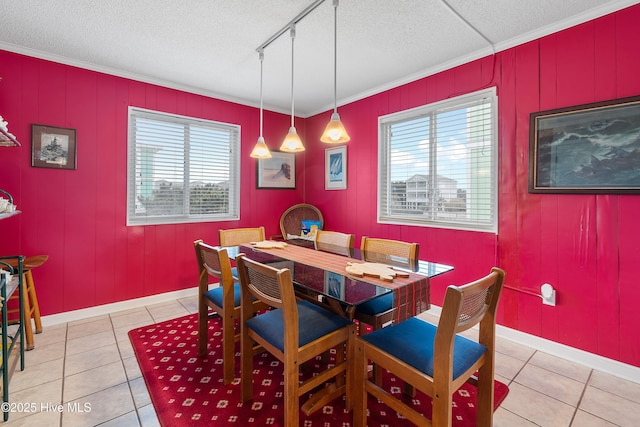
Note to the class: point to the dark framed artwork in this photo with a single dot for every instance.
(590, 148)
(53, 147)
(279, 171)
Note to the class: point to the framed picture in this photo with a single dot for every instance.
(335, 165)
(277, 172)
(591, 148)
(53, 147)
(334, 284)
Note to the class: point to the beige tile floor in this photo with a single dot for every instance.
(89, 365)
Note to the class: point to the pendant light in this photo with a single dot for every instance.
(335, 132)
(261, 151)
(292, 142)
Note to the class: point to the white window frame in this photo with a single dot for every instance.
(388, 211)
(191, 152)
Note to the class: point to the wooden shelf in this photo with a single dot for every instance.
(4, 194)
(7, 139)
(9, 214)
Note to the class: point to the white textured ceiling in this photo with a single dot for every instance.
(209, 46)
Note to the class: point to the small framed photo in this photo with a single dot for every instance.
(279, 171)
(334, 284)
(335, 168)
(53, 147)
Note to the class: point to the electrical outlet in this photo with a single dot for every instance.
(548, 294)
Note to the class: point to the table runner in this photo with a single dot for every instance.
(411, 294)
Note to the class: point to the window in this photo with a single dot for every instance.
(437, 164)
(181, 169)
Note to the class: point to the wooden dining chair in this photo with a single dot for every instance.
(223, 300)
(387, 250)
(435, 359)
(238, 236)
(379, 311)
(335, 242)
(294, 332)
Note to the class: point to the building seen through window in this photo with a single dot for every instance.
(438, 164)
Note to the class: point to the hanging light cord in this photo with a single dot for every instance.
(261, 52)
(293, 37)
(477, 31)
(335, 56)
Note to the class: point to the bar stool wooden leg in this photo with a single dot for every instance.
(26, 318)
(33, 301)
(31, 309)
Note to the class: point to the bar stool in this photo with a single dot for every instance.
(31, 309)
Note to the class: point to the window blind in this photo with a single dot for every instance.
(438, 164)
(181, 169)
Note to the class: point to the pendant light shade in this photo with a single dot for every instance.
(261, 151)
(335, 132)
(292, 142)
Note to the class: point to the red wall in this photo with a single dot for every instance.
(78, 217)
(586, 246)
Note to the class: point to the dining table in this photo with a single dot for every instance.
(322, 276)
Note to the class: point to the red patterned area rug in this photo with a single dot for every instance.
(186, 389)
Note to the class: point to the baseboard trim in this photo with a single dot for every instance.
(594, 361)
(100, 310)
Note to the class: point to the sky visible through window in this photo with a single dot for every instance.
(411, 156)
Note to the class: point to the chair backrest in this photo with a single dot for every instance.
(238, 236)
(467, 305)
(272, 286)
(333, 241)
(212, 262)
(291, 219)
(388, 251)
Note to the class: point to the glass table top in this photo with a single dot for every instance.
(342, 287)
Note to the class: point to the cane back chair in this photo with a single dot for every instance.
(379, 311)
(238, 236)
(224, 301)
(435, 359)
(294, 332)
(333, 241)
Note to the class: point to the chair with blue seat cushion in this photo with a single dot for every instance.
(379, 311)
(436, 360)
(224, 301)
(294, 332)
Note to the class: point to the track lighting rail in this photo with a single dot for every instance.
(288, 26)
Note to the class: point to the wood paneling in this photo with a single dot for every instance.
(78, 217)
(584, 245)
